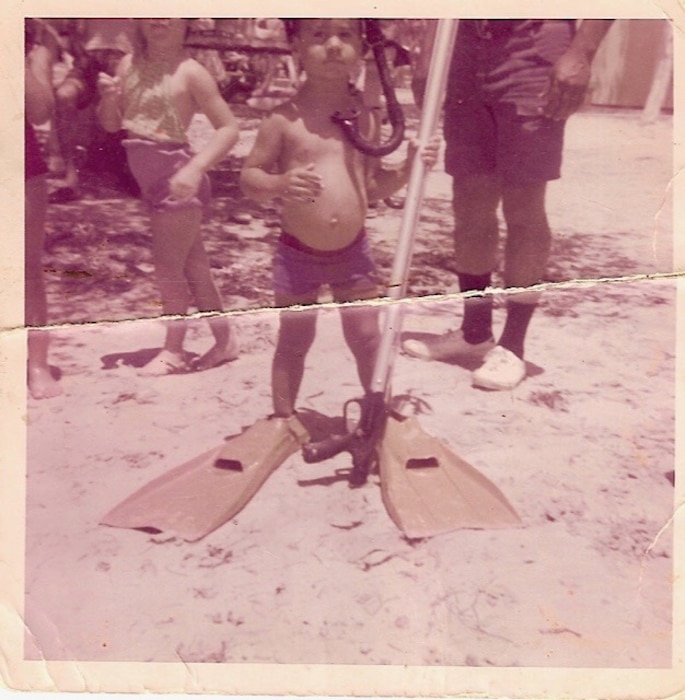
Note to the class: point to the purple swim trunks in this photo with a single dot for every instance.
(299, 270)
(153, 164)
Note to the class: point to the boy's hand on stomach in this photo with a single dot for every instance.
(301, 184)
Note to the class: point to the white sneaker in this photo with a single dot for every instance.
(448, 346)
(500, 370)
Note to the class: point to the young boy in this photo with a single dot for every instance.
(154, 95)
(302, 158)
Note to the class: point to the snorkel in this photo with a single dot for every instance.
(348, 122)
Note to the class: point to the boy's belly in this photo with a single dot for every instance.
(328, 223)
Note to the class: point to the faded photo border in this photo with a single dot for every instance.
(284, 679)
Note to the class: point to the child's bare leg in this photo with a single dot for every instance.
(66, 127)
(41, 383)
(295, 336)
(207, 297)
(173, 234)
(362, 334)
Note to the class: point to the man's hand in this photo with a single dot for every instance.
(570, 79)
(571, 73)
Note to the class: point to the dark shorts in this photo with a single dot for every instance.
(299, 270)
(493, 124)
(153, 164)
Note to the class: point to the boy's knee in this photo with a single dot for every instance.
(293, 349)
(296, 335)
(362, 333)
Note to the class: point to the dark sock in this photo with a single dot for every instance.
(477, 322)
(514, 334)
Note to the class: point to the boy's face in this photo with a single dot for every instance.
(328, 47)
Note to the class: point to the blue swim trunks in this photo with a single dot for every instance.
(299, 270)
(499, 73)
(153, 164)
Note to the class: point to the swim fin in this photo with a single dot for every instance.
(196, 498)
(428, 490)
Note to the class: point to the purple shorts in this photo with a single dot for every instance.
(493, 123)
(152, 164)
(299, 270)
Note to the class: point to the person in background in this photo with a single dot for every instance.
(39, 104)
(153, 95)
(512, 86)
(96, 45)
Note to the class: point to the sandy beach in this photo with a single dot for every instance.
(312, 572)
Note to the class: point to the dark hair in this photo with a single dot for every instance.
(292, 28)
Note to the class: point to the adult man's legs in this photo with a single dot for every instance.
(526, 253)
(476, 241)
(475, 200)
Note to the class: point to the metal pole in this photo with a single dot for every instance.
(432, 107)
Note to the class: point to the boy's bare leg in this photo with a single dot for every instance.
(41, 383)
(173, 235)
(207, 298)
(361, 331)
(296, 333)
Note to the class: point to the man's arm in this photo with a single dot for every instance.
(572, 72)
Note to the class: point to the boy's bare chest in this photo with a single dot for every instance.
(314, 140)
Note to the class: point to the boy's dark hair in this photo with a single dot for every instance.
(292, 27)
